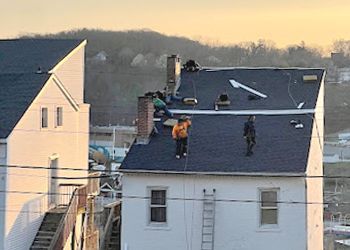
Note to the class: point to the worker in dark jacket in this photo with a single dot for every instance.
(249, 134)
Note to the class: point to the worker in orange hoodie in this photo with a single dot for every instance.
(180, 134)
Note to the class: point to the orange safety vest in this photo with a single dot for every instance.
(180, 130)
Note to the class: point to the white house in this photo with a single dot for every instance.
(44, 122)
(218, 198)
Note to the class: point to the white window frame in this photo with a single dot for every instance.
(261, 208)
(41, 117)
(56, 116)
(150, 206)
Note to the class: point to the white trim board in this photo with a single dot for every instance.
(71, 53)
(65, 92)
(244, 112)
(238, 85)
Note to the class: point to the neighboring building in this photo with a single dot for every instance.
(339, 71)
(113, 141)
(218, 198)
(44, 122)
(100, 57)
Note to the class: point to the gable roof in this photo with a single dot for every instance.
(19, 81)
(27, 55)
(216, 143)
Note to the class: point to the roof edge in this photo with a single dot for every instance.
(244, 112)
(82, 44)
(247, 174)
(251, 67)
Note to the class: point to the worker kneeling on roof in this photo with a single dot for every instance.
(180, 134)
(161, 105)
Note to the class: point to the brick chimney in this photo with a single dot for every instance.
(173, 73)
(145, 124)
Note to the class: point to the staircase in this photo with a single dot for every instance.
(208, 220)
(113, 242)
(48, 229)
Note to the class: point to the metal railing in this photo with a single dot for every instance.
(66, 192)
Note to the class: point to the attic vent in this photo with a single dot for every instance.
(310, 78)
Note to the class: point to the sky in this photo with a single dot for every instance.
(316, 22)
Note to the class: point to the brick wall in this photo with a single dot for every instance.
(145, 123)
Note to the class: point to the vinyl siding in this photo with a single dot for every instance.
(30, 145)
(236, 223)
(71, 73)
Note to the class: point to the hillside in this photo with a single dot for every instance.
(121, 65)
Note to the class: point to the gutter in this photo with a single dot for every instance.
(242, 174)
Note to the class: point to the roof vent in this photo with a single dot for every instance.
(39, 71)
(191, 66)
(310, 78)
(222, 100)
(190, 101)
(297, 124)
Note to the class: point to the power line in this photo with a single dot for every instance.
(254, 201)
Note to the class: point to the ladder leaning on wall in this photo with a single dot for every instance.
(208, 221)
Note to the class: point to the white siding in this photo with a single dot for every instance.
(71, 74)
(236, 223)
(29, 145)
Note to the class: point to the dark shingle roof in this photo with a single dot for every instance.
(19, 82)
(17, 93)
(216, 142)
(271, 82)
(26, 55)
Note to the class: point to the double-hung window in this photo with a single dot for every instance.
(269, 207)
(158, 206)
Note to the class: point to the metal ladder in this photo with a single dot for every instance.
(208, 220)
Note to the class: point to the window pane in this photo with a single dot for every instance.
(268, 198)
(158, 197)
(158, 214)
(268, 216)
(59, 118)
(44, 117)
